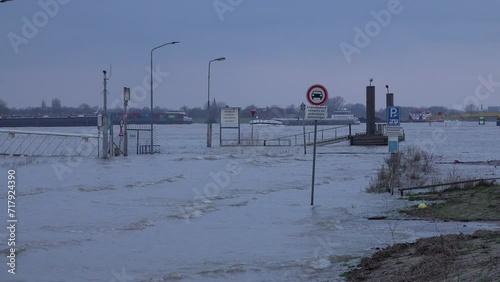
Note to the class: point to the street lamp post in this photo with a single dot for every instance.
(170, 43)
(209, 122)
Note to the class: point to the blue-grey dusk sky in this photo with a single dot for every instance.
(429, 52)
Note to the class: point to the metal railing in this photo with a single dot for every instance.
(323, 135)
(450, 184)
(242, 142)
(47, 144)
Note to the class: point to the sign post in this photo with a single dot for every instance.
(393, 130)
(253, 112)
(303, 110)
(393, 116)
(317, 95)
(126, 98)
(230, 118)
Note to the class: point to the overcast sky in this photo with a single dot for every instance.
(429, 52)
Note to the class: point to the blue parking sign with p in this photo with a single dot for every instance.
(393, 115)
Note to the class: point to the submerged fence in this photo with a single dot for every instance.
(326, 136)
(448, 184)
(48, 144)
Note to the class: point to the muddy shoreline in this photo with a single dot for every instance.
(452, 257)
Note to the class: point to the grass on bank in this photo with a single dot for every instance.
(480, 203)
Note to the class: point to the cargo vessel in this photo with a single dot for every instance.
(170, 117)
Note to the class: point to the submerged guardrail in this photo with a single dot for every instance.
(47, 144)
(325, 136)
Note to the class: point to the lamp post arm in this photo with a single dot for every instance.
(151, 78)
(209, 122)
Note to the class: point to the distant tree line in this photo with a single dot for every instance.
(200, 113)
(55, 108)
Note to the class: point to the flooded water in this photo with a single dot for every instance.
(220, 214)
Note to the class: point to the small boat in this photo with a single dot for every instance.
(266, 122)
(423, 116)
(344, 117)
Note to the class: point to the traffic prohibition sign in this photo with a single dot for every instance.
(317, 95)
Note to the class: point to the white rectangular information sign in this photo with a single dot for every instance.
(316, 112)
(230, 117)
(393, 131)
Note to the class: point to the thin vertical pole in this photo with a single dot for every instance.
(112, 141)
(304, 128)
(252, 131)
(137, 141)
(105, 138)
(239, 128)
(125, 133)
(314, 160)
(393, 172)
(151, 100)
(209, 123)
(98, 154)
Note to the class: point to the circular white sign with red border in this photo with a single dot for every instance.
(317, 95)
